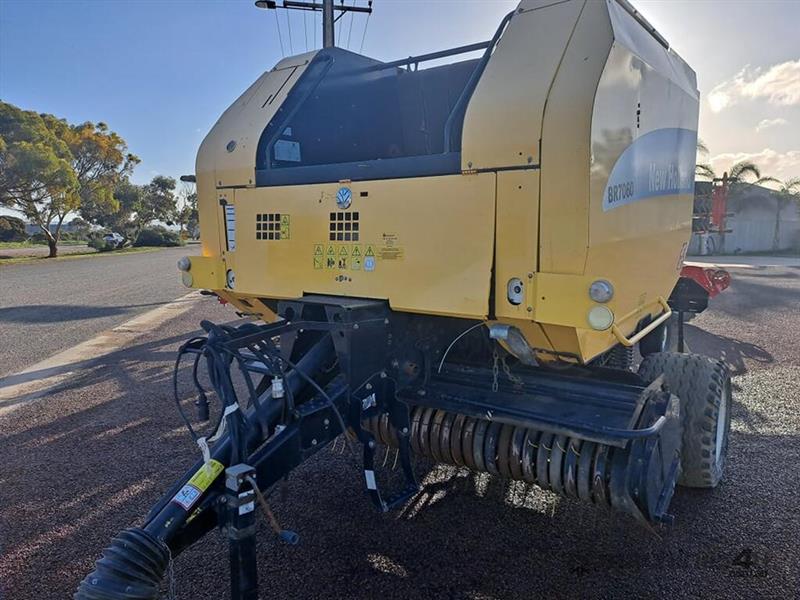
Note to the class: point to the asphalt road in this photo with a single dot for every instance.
(91, 459)
(48, 306)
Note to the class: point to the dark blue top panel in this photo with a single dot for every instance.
(349, 117)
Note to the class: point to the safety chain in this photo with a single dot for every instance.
(497, 360)
(495, 370)
(515, 379)
(170, 577)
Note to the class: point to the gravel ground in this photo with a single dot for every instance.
(92, 458)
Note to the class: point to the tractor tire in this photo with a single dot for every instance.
(703, 386)
(663, 338)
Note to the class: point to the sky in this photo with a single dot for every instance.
(160, 72)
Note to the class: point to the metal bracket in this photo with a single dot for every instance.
(237, 512)
(385, 401)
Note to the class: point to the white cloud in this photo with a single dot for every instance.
(779, 85)
(783, 165)
(767, 123)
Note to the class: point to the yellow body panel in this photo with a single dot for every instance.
(227, 155)
(515, 248)
(566, 144)
(504, 120)
(562, 113)
(421, 264)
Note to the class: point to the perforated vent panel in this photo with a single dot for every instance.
(344, 227)
(272, 226)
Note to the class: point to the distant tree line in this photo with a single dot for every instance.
(50, 169)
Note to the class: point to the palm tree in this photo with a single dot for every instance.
(703, 170)
(788, 193)
(739, 176)
(739, 173)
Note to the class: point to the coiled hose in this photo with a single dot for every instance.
(131, 568)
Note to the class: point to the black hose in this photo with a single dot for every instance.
(131, 568)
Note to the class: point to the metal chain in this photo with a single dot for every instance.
(515, 379)
(495, 370)
(170, 577)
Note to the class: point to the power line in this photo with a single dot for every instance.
(289, 25)
(350, 31)
(339, 32)
(305, 27)
(280, 37)
(329, 18)
(364, 36)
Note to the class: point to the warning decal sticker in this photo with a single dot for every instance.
(318, 256)
(355, 257)
(230, 227)
(390, 250)
(199, 483)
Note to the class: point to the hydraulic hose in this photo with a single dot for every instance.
(131, 568)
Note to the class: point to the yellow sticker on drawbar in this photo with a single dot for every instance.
(199, 483)
(206, 474)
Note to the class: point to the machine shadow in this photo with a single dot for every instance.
(53, 313)
(735, 353)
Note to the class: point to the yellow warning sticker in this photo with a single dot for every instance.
(330, 258)
(390, 248)
(391, 253)
(344, 251)
(317, 249)
(369, 251)
(199, 483)
(356, 253)
(206, 474)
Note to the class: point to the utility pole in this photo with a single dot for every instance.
(328, 8)
(327, 24)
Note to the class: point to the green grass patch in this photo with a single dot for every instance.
(87, 254)
(29, 244)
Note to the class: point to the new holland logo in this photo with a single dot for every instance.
(344, 197)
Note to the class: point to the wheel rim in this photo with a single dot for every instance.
(722, 416)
